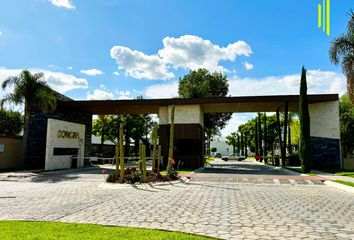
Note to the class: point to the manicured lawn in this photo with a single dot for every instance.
(312, 174)
(65, 231)
(350, 184)
(339, 172)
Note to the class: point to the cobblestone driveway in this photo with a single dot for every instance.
(226, 210)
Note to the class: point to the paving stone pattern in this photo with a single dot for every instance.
(220, 209)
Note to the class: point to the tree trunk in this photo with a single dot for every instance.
(238, 144)
(265, 135)
(24, 163)
(127, 145)
(256, 139)
(242, 149)
(260, 135)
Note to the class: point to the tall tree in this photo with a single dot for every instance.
(260, 135)
(201, 83)
(346, 114)
(32, 91)
(304, 117)
(342, 52)
(232, 141)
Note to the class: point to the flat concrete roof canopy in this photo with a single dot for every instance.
(213, 104)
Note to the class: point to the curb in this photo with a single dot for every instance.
(106, 185)
(339, 186)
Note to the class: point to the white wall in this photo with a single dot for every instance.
(324, 120)
(183, 114)
(53, 141)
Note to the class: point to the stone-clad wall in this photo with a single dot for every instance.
(35, 152)
(325, 134)
(326, 152)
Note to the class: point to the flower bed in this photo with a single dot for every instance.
(134, 175)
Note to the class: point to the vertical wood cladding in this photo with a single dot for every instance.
(188, 144)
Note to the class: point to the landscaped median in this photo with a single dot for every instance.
(53, 230)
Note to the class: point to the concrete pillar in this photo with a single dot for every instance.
(188, 137)
(325, 134)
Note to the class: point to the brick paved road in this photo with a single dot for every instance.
(227, 210)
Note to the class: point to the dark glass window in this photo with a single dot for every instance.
(65, 151)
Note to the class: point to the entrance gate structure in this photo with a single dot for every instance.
(189, 122)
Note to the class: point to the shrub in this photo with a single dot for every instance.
(11, 123)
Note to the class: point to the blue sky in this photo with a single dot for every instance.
(137, 47)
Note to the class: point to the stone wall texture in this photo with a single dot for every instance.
(326, 152)
(37, 134)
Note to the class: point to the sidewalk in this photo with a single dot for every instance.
(331, 176)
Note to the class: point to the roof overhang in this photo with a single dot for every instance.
(268, 103)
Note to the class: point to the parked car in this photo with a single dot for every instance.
(233, 157)
(218, 155)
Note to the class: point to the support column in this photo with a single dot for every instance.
(188, 136)
(325, 134)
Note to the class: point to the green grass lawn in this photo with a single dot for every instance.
(339, 172)
(350, 184)
(49, 230)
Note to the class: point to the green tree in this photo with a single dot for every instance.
(342, 52)
(32, 91)
(232, 141)
(201, 83)
(11, 123)
(346, 114)
(304, 117)
(213, 149)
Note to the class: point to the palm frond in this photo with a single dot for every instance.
(10, 98)
(44, 99)
(10, 81)
(340, 47)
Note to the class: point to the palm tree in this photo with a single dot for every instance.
(342, 51)
(32, 91)
(232, 140)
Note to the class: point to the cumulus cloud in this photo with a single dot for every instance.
(187, 52)
(91, 72)
(116, 73)
(319, 82)
(62, 4)
(124, 95)
(168, 90)
(248, 66)
(193, 52)
(60, 82)
(99, 94)
(139, 65)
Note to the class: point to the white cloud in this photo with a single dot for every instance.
(91, 72)
(193, 52)
(59, 81)
(116, 73)
(318, 82)
(139, 65)
(0, 33)
(70, 68)
(99, 94)
(62, 3)
(248, 66)
(124, 95)
(168, 90)
(187, 52)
